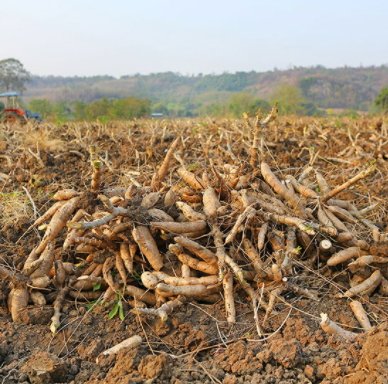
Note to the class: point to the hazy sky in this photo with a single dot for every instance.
(118, 37)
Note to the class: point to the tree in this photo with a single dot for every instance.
(98, 109)
(289, 98)
(13, 75)
(42, 106)
(310, 109)
(79, 108)
(381, 100)
(129, 108)
(245, 102)
(160, 107)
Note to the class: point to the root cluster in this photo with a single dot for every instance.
(234, 228)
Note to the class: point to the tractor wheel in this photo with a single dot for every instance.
(14, 118)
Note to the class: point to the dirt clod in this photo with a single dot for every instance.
(286, 352)
(151, 366)
(45, 368)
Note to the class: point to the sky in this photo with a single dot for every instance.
(124, 37)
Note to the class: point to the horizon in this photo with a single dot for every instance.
(294, 68)
(93, 38)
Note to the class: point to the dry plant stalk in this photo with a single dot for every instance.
(330, 194)
(260, 124)
(96, 175)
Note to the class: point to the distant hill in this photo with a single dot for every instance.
(347, 88)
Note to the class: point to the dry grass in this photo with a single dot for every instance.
(14, 208)
(43, 140)
(44, 137)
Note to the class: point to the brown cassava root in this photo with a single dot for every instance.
(127, 344)
(191, 237)
(333, 328)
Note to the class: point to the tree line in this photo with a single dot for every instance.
(103, 109)
(339, 88)
(224, 95)
(289, 99)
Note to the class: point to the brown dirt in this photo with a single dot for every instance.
(195, 345)
(298, 353)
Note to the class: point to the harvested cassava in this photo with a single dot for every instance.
(127, 344)
(366, 287)
(229, 229)
(148, 247)
(333, 328)
(360, 314)
(17, 303)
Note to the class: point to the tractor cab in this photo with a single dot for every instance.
(12, 112)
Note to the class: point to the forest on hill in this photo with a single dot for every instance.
(312, 90)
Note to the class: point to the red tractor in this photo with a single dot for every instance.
(11, 112)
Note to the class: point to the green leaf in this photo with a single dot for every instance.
(121, 311)
(193, 167)
(90, 306)
(96, 287)
(114, 311)
(297, 250)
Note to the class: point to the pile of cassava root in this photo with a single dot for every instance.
(184, 236)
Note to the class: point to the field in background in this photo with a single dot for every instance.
(302, 90)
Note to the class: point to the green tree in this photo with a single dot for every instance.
(129, 108)
(289, 99)
(62, 112)
(160, 107)
(213, 109)
(381, 100)
(43, 106)
(310, 109)
(13, 75)
(98, 109)
(246, 102)
(106, 109)
(79, 108)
